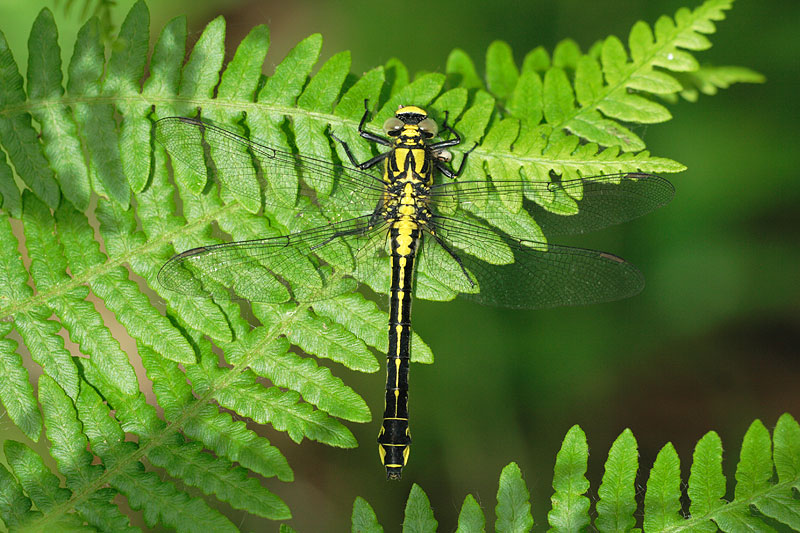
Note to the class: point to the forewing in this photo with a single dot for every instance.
(510, 272)
(270, 270)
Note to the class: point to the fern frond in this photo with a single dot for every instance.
(594, 95)
(98, 208)
(761, 498)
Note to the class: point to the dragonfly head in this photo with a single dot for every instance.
(410, 118)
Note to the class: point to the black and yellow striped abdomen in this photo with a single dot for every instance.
(394, 438)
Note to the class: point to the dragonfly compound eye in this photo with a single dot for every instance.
(429, 127)
(392, 126)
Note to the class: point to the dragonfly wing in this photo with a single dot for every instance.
(562, 207)
(259, 172)
(273, 269)
(509, 272)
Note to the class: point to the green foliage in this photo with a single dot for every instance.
(765, 496)
(90, 212)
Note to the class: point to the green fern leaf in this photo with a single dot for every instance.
(125, 70)
(708, 79)
(537, 60)
(566, 54)
(786, 452)
(326, 339)
(501, 72)
(69, 450)
(200, 74)
(364, 519)
(603, 79)
(42, 486)
(10, 198)
(662, 504)
(240, 79)
(471, 519)
(706, 482)
(15, 506)
(755, 464)
(96, 122)
(159, 220)
(19, 137)
(617, 503)
(570, 507)
(59, 130)
(368, 322)
(119, 294)
(280, 409)
(229, 438)
(782, 505)
(418, 516)
(165, 63)
(16, 392)
(319, 96)
(527, 101)
(216, 430)
(513, 508)
(36, 479)
(461, 70)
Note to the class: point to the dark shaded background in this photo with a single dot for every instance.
(710, 344)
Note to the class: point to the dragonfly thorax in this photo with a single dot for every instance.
(407, 200)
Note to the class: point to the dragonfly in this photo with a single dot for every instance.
(416, 214)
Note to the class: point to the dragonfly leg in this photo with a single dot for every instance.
(367, 135)
(449, 142)
(436, 147)
(366, 164)
(464, 159)
(450, 173)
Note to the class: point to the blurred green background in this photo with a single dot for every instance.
(712, 342)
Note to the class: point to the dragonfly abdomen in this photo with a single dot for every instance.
(394, 439)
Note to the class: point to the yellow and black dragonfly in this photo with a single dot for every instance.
(351, 221)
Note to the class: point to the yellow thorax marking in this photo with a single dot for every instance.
(402, 154)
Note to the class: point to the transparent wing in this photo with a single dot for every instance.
(562, 207)
(509, 272)
(247, 167)
(272, 269)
